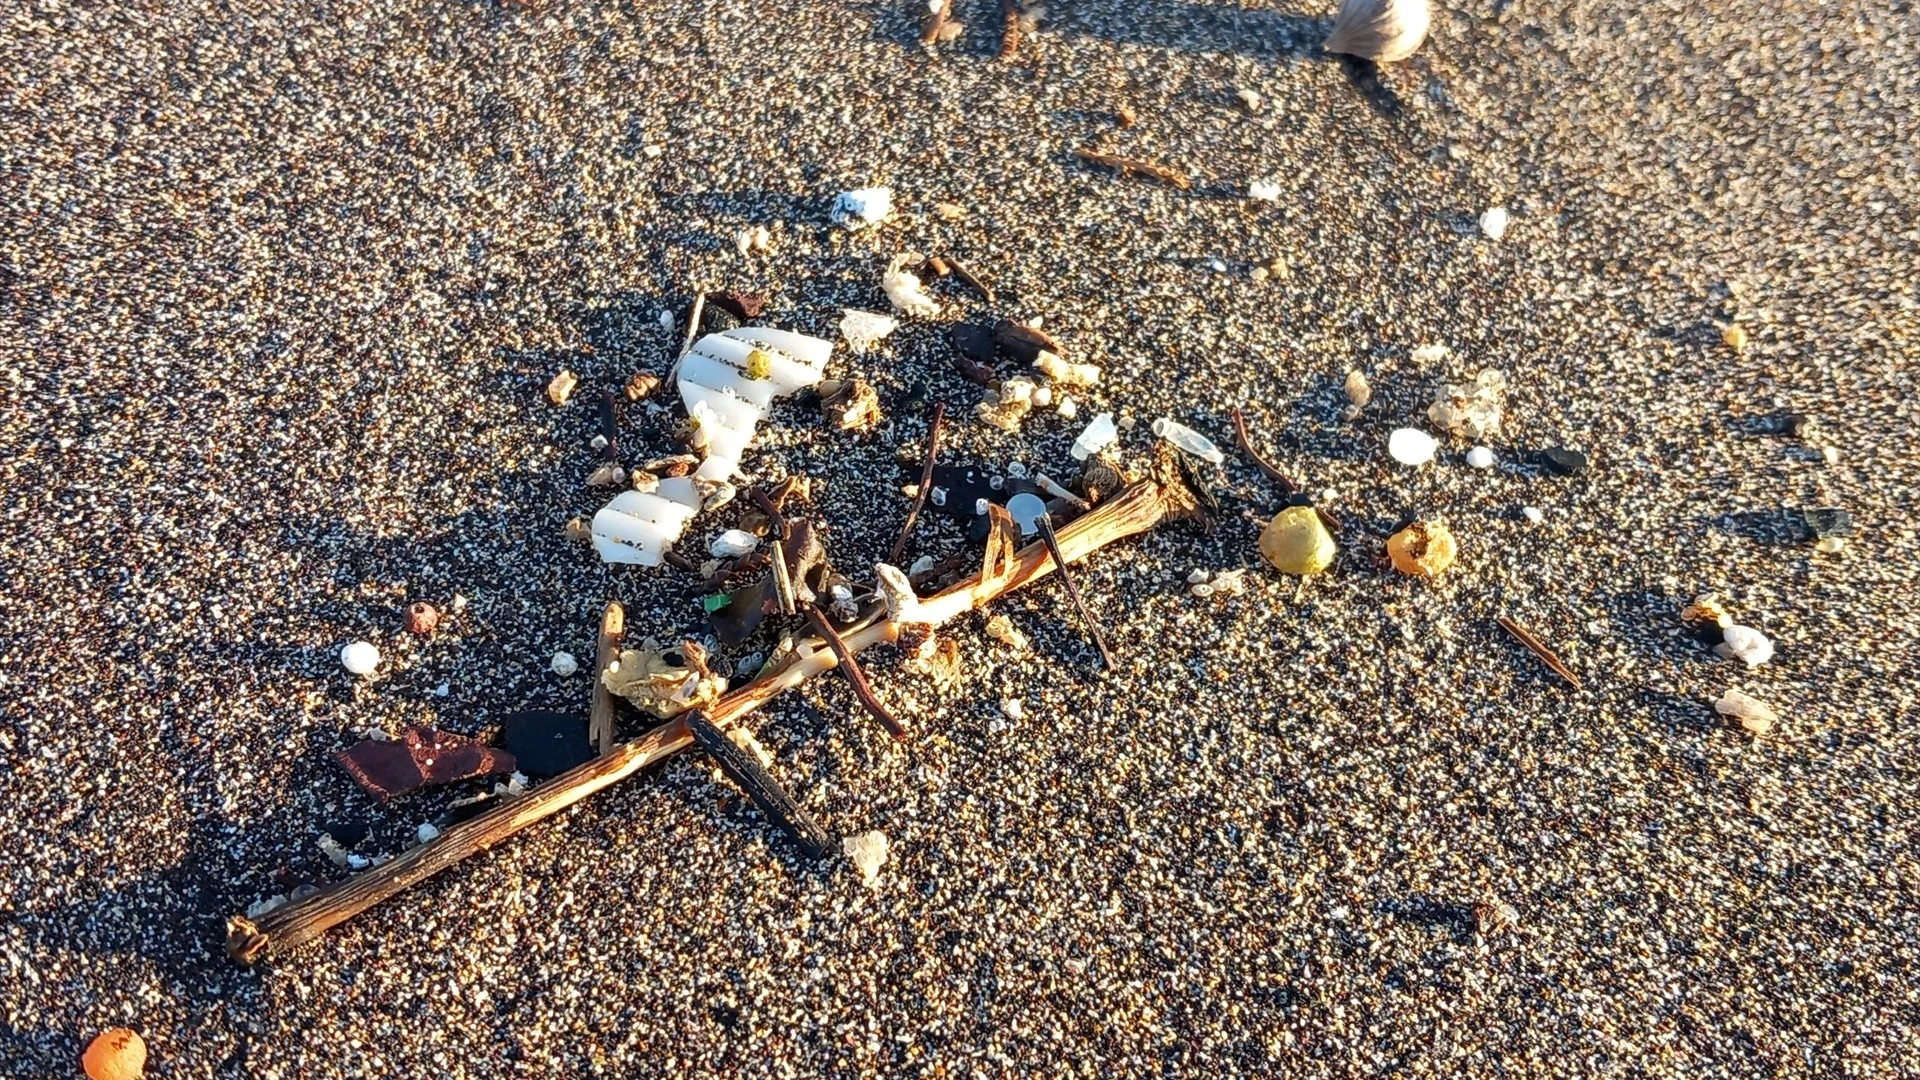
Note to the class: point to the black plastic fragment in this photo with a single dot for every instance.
(1563, 461)
(767, 794)
(610, 426)
(1023, 342)
(547, 743)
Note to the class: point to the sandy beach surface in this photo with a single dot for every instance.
(281, 289)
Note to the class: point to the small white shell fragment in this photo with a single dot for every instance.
(1480, 457)
(1196, 577)
(905, 291)
(1429, 353)
(1250, 99)
(862, 207)
(1097, 436)
(1013, 708)
(608, 475)
(1067, 407)
(598, 442)
(1411, 446)
(1494, 222)
(1752, 714)
(868, 853)
(360, 657)
(1264, 190)
(426, 832)
(1380, 30)
(733, 542)
(864, 329)
(564, 664)
(1533, 514)
(1201, 590)
(1050, 365)
(921, 565)
(1188, 439)
(902, 604)
(1001, 629)
(1746, 644)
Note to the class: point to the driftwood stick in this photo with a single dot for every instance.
(1136, 510)
(856, 678)
(613, 626)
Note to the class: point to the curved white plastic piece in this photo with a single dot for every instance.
(811, 351)
(683, 490)
(722, 406)
(706, 371)
(717, 468)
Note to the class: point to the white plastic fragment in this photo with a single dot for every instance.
(868, 852)
(1494, 222)
(1188, 439)
(729, 380)
(1411, 446)
(744, 739)
(1013, 707)
(426, 832)
(1480, 457)
(564, 664)
(1097, 436)
(360, 657)
(333, 851)
(639, 526)
(905, 291)
(862, 207)
(1745, 644)
(1430, 353)
(1533, 514)
(1264, 190)
(733, 542)
(1752, 714)
(864, 329)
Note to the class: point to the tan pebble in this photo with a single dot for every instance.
(1296, 542)
(118, 1054)
(641, 385)
(579, 531)
(1423, 549)
(1735, 336)
(561, 388)
(422, 617)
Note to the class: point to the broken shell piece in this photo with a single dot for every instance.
(861, 207)
(1754, 716)
(1001, 629)
(641, 385)
(1746, 644)
(897, 590)
(1013, 708)
(935, 657)
(1422, 549)
(1188, 439)
(578, 530)
(906, 291)
(1708, 608)
(864, 329)
(561, 388)
(1099, 434)
(360, 657)
(732, 543)
(640, 526)
(1473, 408)
(608, 475)
(1379, 30)
(868, 853)
(1359, 392)
(853, 405)
(1494, 222)
(1296, 542)
(1050, 365)
(663, 689)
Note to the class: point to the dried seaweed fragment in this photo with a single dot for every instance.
(421, 757)
(654, 682)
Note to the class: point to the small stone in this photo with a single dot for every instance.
(1745, 644)
(868, 853)
(641, 385)
(1563, 462)
(1480, 457)
(1830, 455)
(1735, 336)
(1494, 222)
(1297, 542)
(1001, 629)
(422, 617)
(607, 475)
(1359, 391)
(1411, 446)
(1197, 576)
(561, 388)
(1250, 100)
(578, 530)
(1422, 549)
(360, 657)
(1013, 708)
(1755, 717)
(118, 1054)
(564, 664)
(1067, 407)
(1533, 514)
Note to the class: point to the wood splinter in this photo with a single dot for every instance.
(766, 792)
(1052, 540)
(926, 483)
(1136, 167)
(856, 678)
(1140, 508)
(1286, 482)
(613, 626)
(1537, 648)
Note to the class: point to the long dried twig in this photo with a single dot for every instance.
(1246, 447)
(1538, 649)
(1136, 510)
(1132, 166)
(926, 482)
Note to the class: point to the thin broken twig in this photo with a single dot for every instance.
(960, 271)
(1246, 447)
(926, 482)
(693, 330)
(1140, 508)
(1052, 541)
(856, 678)
(1135, 166)
(1538, 649)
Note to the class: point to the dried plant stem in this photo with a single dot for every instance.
(1538, 649)
(926, 481)
(1052, 540)
(1135, 166)
(1246, 447)
(856, 678)
(1136, 510)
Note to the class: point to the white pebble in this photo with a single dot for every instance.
(733, 542)
(360, 658)
(1480, 457)
(666, 321)
(1746, 644)
(1013, 707)
(564, 664)
(1411, 446)
(1533, 514)
(1494, 223)
(1264, 190)
(1198, 576)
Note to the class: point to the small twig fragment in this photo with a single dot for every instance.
(926, 483)
(1003, 547)
(1010, 39)
(610, 426)
(1073, 592)
(1538, 649)
(766, 792)
(693, 330)
(1135, 166)
(960, 271)
(935, 20)
(856, 678)
(1246, 447)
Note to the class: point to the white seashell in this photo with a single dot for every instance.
(1411, 446)
(862, 207)
(868, 852)
(1480, 457)
(564, 664)
(863, 329)
(906, 292)
(1380, 30)
(897, 591)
